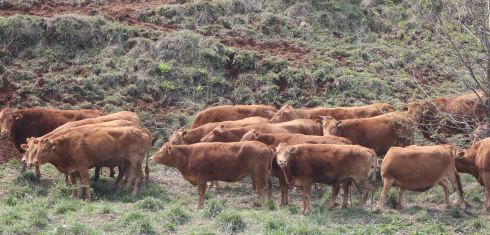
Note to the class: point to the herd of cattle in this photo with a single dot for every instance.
(334, 146)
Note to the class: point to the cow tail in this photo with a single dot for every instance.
(373, 180)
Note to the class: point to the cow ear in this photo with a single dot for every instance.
(54, 144)
(222, 126)
(181, 129)
(215, 132)
(319, 121)
(273, 149)
(17, 115)
(292, 150)
(256, 135)
(184, 134)
(339, 123)
(24, 146)
(460, 155)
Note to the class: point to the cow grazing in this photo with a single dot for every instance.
(292, 139)
(301, 126)
(288, 113)
(21, 124)
(304, 164)
(379, 133)
(195, 135)
(231, 113)
(476, 161)
(230, 162)
(88, 147)
(439, 118)
(418, 168)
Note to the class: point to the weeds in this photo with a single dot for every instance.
(231, 221)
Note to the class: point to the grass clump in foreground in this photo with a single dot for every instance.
(213, 208)
(231, 221)
(177, 215)
(150, 203)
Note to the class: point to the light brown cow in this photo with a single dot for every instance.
(304, 164)
(378, 133)
(476, 161)
(230, 162)
(301, 126)
(419, 168)
(479, 133)
(80, 150)
(288, 113)
(292, 139)
(195, 135)
(439, 118)
(230, 113)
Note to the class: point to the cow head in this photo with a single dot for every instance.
(163, 155)
(331, 126)
(44, 153)
(284, 114)
(412, 108)
(7, 120)
(177, 137)
(215, 135)
(284, 152)
(250, 135)
(31, 150)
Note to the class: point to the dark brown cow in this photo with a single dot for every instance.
(231, 113)
(419, 168)
(230, 162)
(304, 164)
(379, 133)
(88, 147)
(439, 118)
(301, 126)
(21, 124)
(476, 161)
(288, 113)
(195, 135)
(292, 139)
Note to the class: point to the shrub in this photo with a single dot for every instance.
(231, 222)
(164, 68)
(167, 85)
(269, 204)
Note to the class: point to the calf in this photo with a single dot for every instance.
(230, 113)
(88, 147)
(476, 161)
(230, 162)
(418, 168)
(288, 113)
(301, 126)
(304, 164)
(292, 139)
(195, 135)
(21, 124)
(379, 133)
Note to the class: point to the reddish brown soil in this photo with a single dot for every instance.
(7, 150)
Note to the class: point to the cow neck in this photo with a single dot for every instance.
(304, 114)
(62, 160)
(193, 136)
(266, 139)
(467, 164)
(291, 168)
(235, 134)
(182, 158)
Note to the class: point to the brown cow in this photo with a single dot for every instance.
(88, 147)
(479, 133)
(31, 147)
(304, 164)
(419, 168)
(476, 161)
(230, 113)
(441, 117)
(301, 126)
(21, 124)
(123, 115)
(230, 162)
(378, 133)
(288, 113)
(195, 135)
(292, 139)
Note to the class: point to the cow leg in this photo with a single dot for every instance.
(215, 185)
(362, 189)
(345, 187)
(138, 172)
(38, 173)
(201, 189)
(443, 183)
(306, 193)
(131, 177)
(387, 183)
(24, 165)
(73, 181)
(456, 182)
(284, 186)
(335, 192)
(111, 172)
(401, 191)
(97, 174)
(84, 177)
(122, 170)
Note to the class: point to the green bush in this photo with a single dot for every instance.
(231, 221)
(164, 68)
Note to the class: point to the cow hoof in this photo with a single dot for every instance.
(344, 206)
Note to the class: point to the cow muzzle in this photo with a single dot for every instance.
(282, 163)
(5, 132)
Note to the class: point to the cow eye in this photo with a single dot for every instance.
(323, 126)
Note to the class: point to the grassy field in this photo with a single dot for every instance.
(167, 205)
